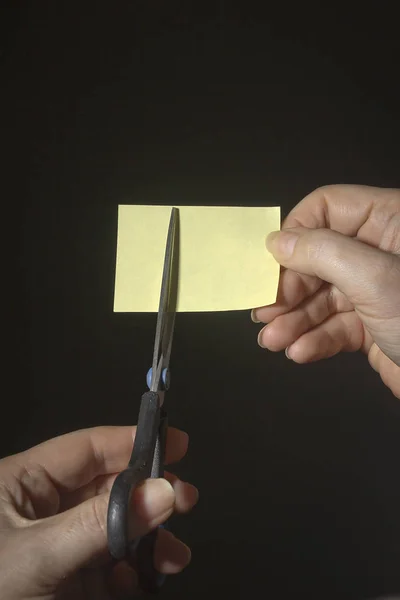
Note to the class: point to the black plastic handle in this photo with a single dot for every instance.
(147, 460)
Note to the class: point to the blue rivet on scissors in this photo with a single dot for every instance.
(165, 378)
(148, 377)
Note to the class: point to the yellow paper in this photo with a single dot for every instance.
(224, 264)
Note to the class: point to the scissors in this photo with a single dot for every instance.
(147, 458)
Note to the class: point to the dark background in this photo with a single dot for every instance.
(201, 103)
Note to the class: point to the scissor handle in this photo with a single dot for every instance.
(147, 460)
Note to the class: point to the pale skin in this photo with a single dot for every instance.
(339, 288)
(53, 510)
(339, 291)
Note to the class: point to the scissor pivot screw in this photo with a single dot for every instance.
(166, 378)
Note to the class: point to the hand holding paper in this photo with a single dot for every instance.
(224, 264)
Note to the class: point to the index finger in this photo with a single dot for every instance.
(74, 459)
(353, 210)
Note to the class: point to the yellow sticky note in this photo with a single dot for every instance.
(224, 264)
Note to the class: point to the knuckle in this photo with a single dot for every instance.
(387, 272)
(391, 241)
(330, 300)
(381, 284)
(328, 190)
(94, 517)
(100, 514)
(321, 244)
(329, 193)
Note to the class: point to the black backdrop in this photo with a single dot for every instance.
(202, 103)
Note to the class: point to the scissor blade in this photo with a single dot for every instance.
(167, 306)
(172, 298)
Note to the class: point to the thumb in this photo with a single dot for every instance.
(78, 536)
(369, 277)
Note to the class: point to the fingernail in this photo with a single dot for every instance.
(189, 495)
(253, 316)
(287, 353)
(194, 491)
(281, 243)
(259, 339)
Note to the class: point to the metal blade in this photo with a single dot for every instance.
(167, 309)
